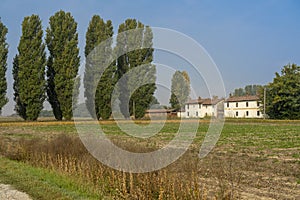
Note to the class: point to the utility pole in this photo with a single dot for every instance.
(265, 91)
(133, 109)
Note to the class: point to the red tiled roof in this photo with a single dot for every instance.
(211, 102)
(204, 101)
(194, 101)
(242, 98)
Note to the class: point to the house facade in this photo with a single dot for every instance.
(243, 107)
(200, 108)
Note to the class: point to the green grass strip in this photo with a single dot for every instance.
(40, 183)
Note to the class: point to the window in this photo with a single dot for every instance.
(212, 114)
(206, 106)
(247, 104)
(247, 113)
(257, 104)
(237, 114)
(258, 113)
(227, 104)
(188, 114)
(197, 114)
(188, 106)
(237, 104)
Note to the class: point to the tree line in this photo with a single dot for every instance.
(38, 77)
(55, 78)
(248, 90)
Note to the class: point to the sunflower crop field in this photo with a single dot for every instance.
(253, 159)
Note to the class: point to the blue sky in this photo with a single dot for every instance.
(249, 40)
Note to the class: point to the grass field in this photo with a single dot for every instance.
(253, 159)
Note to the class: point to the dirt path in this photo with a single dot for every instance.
(8, 193)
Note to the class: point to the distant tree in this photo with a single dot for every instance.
(46, 113)
(255, 89)
(63, 64)
(141, 40)
(239, 92)
(248, 90)
(155, 102)
(3, 65)
(29, 70)
(180, 89)
(98, 92)
(81, 111)
(283, 94)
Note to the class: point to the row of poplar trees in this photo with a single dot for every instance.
(55, 78)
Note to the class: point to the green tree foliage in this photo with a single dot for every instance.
(239, 92)
(3, 65)
(247, 90)
(283, 94)
(141, 41)
(63, 64)
(29, 70)
(19, 107)
(180, 89)
(98, 92)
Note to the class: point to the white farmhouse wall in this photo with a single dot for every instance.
(208, 110)
(242, 109)
(181, 114)
(198, 110)
(234, 107)
(192, 110)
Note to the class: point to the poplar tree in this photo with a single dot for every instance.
(3, 65)
(63, 64)
(98, 52)
(180, 89)
(29, 70)
(141, 40)
(19, 107)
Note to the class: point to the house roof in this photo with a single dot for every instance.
(204, 101)
(211, 101)
(194, 101)
(242, 98)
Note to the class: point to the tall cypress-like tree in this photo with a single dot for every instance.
(180, 89)
(98, 92)
(141, 40)
(63, 64)
(3, 65)
(19, 107)
(29, 70)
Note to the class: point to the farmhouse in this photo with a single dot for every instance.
(243, 107)
(200, 108)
